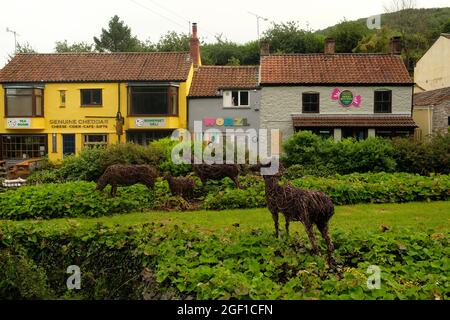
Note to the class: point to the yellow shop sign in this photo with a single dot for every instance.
(79, 124)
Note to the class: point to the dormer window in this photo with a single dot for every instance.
(236, 98)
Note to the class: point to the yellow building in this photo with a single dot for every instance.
(55, 104)
(432, 71)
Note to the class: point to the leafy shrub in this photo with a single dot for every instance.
(346, 156)
(185, 263)
(130, 153)
(297, 171)
(74, 199)
(424, 157)
(86, 166)
(44, 176)
(166, 164)
(343, 189)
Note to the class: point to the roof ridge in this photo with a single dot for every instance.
(228, 67)
(98, 53)
(330, 54)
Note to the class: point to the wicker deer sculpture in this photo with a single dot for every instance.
(127, 175)
(306, 206)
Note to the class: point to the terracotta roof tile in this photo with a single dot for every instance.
(353, 121)
(208, 79)
(432, 97)
(333, 69)
(81, 67)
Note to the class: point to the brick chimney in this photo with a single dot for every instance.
(396, 45)
(194, 47)
(264, 48)
(330, 45)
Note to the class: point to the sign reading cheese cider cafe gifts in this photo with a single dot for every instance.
(346, 98)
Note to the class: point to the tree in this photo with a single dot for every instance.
(22, 48)
(64, 46)
(288, 37)
(117, 38)
(173, 41)
(222, 52)
(376, 42)
(347, 35)
(446, 27)
(25, 48)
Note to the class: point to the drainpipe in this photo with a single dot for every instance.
(119, 117)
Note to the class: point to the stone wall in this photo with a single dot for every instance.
(441, 113)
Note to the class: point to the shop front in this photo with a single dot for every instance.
(359, 127)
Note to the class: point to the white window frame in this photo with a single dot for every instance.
(228, 99)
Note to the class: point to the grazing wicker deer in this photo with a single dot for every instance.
(181, 186)
(217, 172)
(127, 175)
(307, 206)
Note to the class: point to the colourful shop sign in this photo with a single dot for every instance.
(227, 122)
(346, 98)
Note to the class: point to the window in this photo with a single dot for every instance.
(383, 101)
(239, 99)
(153, 100)
(324, 133)
(68, 144)
(23, 146)
(147, 136)
(91, 97)
(310, 102)
(392, 133)
(62, 98)
(90, 140)
(27, 102)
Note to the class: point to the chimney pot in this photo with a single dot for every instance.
(330, 46)
(396, 45)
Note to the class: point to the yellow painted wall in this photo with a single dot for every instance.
(432, 71)
(89, 120)
(422, 117)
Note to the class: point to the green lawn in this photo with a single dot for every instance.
(417, 215)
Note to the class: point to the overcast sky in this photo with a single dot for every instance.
(41, 23)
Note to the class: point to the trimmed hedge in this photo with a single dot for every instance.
(160, 262)
(80, 199)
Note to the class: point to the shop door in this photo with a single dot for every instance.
(68, 141)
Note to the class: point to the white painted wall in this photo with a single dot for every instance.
(278, 104)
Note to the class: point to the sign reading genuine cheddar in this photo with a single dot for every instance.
(79, 124)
